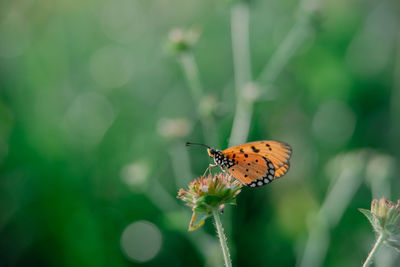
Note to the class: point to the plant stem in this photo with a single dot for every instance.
(222, 238)
(242, 67)
(341, 190)
(371, 254)
(395, 98)
(191, 72)
(295, 37)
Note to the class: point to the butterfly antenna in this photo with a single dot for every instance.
(196, 144)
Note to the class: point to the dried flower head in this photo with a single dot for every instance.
(174, 127)
(384, 217)
(182, 40)
(207, 193)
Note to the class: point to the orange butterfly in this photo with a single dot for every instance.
(254, 164)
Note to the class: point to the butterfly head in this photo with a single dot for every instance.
(212, 152)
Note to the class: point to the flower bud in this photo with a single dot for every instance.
(384, 217)
(207, 193)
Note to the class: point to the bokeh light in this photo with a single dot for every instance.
(122, 20)
(141, 241)
(334, 123)
(135, 174)
(111, 66)
(88, 118)
(173, 128)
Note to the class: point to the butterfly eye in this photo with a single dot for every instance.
(211, 152)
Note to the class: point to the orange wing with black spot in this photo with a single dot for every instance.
(259, 163)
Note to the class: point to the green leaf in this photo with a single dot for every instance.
(197, 220)
(369, 216)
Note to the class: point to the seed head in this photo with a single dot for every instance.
(207, 193)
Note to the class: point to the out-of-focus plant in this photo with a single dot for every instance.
(346, 172)
(384, 217)
(183, 40)
(207, 196)
(174, 128)
(181, 43)
(249, 88)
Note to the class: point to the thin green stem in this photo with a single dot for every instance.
(395, 99)
(222, 238)
(284, 52)
(371, 254)
(242, 66)
(191, 71)
(287, 48)
(341, 191)
(240, 16)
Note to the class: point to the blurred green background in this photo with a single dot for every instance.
(98, 98)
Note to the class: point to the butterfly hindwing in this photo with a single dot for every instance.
(282, 171)
(277, 152)
(251, 169)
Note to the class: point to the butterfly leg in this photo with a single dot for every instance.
(209, 168)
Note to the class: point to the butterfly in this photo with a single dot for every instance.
(254, 164)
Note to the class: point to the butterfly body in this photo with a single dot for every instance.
(254, 164)
(220, 159)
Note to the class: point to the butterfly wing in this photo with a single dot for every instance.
(278, 153)
(252, 169)
(282, 170)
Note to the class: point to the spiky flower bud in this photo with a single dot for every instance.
(384, 217)
(207, 193)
